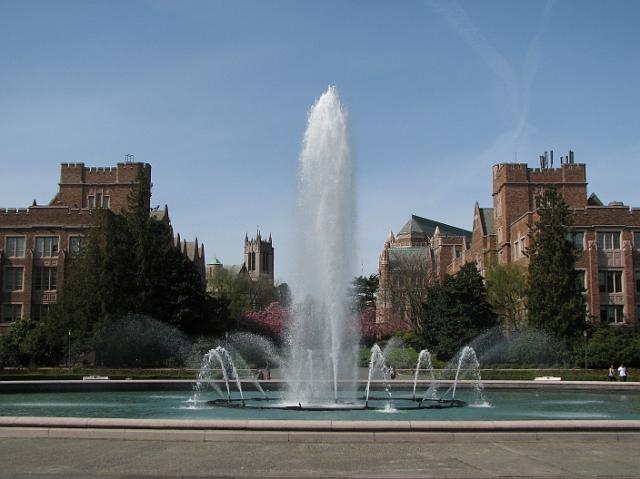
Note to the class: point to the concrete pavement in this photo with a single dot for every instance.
(24, 458)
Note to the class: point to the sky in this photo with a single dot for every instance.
(215, 96)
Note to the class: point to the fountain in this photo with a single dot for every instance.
(425, 357)
(322, 343)
(322, 322)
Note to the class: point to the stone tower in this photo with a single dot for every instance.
(258, 257)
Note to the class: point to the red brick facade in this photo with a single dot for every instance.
(409, 262)
(609, 236)
(35, 241)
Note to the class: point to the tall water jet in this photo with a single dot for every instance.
(325, 238)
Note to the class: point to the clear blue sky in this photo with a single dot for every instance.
(214, 94)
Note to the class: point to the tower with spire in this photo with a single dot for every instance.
(258, 257)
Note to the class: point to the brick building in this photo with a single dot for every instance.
(419, 254)
(36, 241)
(607, 235)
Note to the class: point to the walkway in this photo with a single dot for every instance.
(24, 458)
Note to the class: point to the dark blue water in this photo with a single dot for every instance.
(498, 405)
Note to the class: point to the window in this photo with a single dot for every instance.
(15, 246)
(612, 314)
(39, 311)
(610, 281)
(13, 278)
(75, 243)
(11, 312)
(609, 239)
(105, 202)
(582, 278)
(98, 200)
(45, 279)
(638, 284)
(46, 246)
(636, 239)
(91, 201)
(576, 238)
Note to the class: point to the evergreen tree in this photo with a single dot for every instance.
(555, 297)
(455, 312)
(166, 284)
(127, 265)
(363, 291)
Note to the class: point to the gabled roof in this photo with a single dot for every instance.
(417, 224)
(593, 200)
(486, 216)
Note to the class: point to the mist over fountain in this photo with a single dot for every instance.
(322, 340)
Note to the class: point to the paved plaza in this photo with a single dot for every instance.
(94, 458)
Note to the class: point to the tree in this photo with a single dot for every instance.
(363, 291)
(555, 296)
(372, 331)
(270, 322)
(96, 288)
(455, 312)
(411, 275)
(507, 292)
(243, 293)
(127, 264)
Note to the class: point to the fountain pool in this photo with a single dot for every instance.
(519, 404)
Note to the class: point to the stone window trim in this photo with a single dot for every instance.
(576, 238)
(610, 281)
(612, 314)
(15, 246)
(582, 275)
(608, 240)
(75, 243)
(49, 244)
(10, 312)
(99, 198)
(13, 278)
(45, 278)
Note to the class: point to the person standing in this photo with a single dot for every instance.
(622, 372)
(612, 373)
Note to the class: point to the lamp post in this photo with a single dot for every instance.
(69, 351)
(584, 333)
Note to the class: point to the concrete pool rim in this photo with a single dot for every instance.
(252, 430)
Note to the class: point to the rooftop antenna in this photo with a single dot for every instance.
(129, 158)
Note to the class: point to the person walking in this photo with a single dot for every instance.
(622, 372)
(612, 373)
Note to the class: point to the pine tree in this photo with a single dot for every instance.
(456, 312)
(555, 297)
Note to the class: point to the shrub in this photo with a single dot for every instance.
(610, 345)
(141, 341)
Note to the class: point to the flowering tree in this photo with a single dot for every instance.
(372, 331)
(269, 322)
